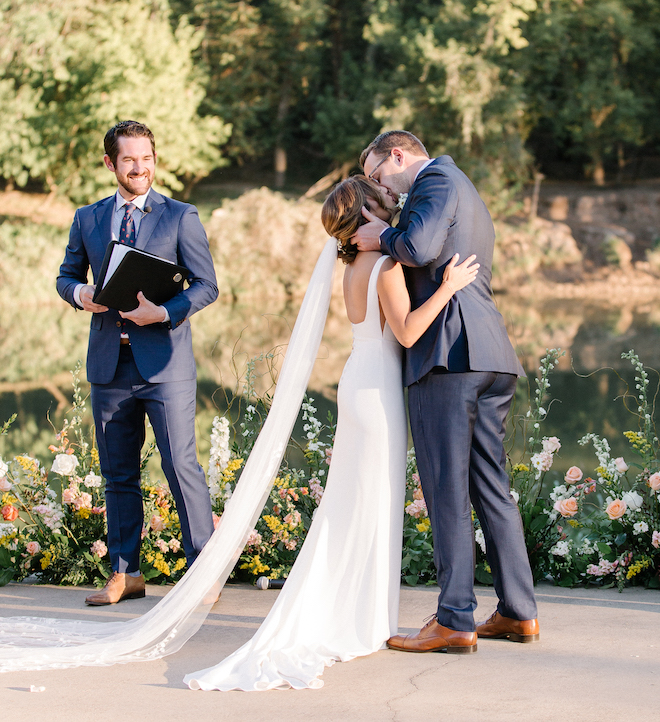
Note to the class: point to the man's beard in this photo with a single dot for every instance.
(137, 186)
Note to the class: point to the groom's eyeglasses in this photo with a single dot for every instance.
(378, 165)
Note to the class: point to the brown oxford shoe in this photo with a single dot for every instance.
(118, 587)
(433, 637)
(516, 630)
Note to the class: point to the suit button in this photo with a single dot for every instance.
(118, 324)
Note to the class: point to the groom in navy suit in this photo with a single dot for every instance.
(141, 362)
(461, 376)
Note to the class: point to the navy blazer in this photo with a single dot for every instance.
(162, 351)
(444, 215)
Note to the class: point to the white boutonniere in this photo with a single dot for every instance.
(403, 197)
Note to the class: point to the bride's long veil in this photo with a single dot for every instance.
(38, 643)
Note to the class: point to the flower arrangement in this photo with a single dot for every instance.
(603, 530)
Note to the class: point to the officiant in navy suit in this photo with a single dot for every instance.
(461, 377)
(141, 362)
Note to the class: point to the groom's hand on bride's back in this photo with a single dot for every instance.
(367, 237)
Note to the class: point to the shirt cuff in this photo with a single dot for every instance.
(76, 294)
(167, 316)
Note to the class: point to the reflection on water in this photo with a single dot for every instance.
(44, 343)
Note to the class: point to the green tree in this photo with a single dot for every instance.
(587, 75)
(73, 68)
(442, 75)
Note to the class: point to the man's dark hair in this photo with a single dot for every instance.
(127, 129)
(382, 144)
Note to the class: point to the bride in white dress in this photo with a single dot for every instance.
(341, 599)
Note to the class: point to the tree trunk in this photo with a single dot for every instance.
(280, 151)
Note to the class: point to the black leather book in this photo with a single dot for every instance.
(127, 270)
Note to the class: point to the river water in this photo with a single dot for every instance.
(41, 343)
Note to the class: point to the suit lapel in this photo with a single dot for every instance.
(103, 218)
(150, 220)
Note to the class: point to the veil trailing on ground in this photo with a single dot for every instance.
(31, 643)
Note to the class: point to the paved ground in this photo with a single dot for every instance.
(598, 659)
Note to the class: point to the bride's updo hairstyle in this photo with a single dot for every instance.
(342, 212)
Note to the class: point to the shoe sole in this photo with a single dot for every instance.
(513, 637)
(132, 595)
(447, 650)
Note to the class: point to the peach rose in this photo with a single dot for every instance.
(33, 548)
(99, 548)
(216, 520)
(69, 496)
(5, 484)
(616, 509)
(9, 512)
(654, 481)
(573, 475)
(156, 522)
(567, 507)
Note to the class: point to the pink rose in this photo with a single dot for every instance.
(293, 519)
(655, 539)
(5, 484)
(99, 548)
(216, 520)
(551, 444)
(98, 510)
(654, 481)
(156, 522)
(83, 501)
(68, 496)
(616, 509)
(573, 475)
(9, 512)
(33, 548)
(621, 465)
(175, 545)
(162, 546)
(567, 507)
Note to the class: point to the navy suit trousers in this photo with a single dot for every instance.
(458, 423)
(119, 409)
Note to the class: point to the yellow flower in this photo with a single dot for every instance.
(573, 523)
(180, 564)
(638, 442)
(273, 523)
(94, 453)
(8, 498)
(160, 564)
(424, 525)
(46, 558)
(84, 513)
(637, 567)
(255, 565)
(517, 468)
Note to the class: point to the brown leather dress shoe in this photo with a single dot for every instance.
(118, 587)
(517, 630)
(433, 637)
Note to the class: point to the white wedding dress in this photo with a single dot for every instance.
(341, 599)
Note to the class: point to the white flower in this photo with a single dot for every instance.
(480, 539)
(403, 197)
(542, 461)
(561, 549)
(641, 527)
(558, 492)
(64, 464)
(621, 465)
(515, 495)
(633, 500)
(3, 468)
(93, 481)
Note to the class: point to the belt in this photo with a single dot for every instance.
(125, 341)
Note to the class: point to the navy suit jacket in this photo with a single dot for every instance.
(444, 215)
(162, 351)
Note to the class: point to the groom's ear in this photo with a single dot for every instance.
(398, 155)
